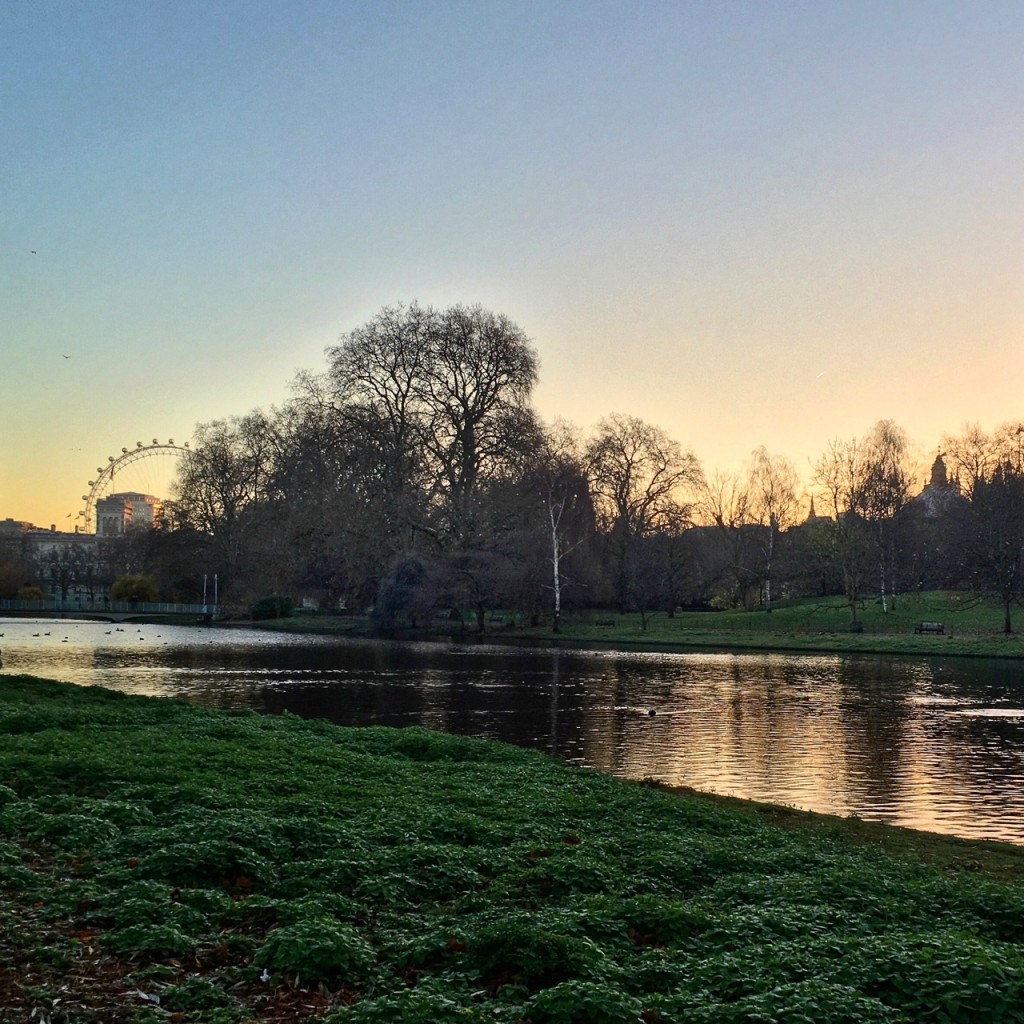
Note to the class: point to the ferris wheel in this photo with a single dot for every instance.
(151, 468)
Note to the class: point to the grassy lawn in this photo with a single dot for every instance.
(973, 627)
(163, 862)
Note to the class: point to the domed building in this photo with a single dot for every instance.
(941, 494)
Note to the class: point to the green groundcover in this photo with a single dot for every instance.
(162, 862)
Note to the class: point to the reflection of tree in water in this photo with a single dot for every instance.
(874, 708)
(743, 724)
(480, 695)
(779, 740)
(617, 726)
(972, 752)
(924, 741)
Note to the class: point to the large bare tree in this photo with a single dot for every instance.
(373, 386)
(445, 395)
(476, 393)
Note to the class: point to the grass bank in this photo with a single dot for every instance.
(972, 628)
(162, 862)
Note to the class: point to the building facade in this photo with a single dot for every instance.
(119, 513)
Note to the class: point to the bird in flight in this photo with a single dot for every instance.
(66, 357)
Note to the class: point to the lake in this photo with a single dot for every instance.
(924, 742)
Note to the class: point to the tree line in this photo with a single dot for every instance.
(411, 477)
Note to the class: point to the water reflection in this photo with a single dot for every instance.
(927, 743)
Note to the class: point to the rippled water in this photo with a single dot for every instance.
(928, 743)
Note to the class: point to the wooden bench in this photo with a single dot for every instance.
(604, 622)
(929, 627)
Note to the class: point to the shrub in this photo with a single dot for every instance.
(276, 606)
(134, 588)
(62, 831)
(155, 939)
(195, 994)
(523, 951)
(654, 921)
(583, 1002)
(204, 863)
(319, 949)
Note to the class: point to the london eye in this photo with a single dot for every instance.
(146, 468)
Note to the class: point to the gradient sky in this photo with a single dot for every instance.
(747, 222)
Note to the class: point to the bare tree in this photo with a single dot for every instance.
(997, 505)
(971, 456)
(444, 397)
(476, 391)
(342, 511)
(561, 481)
(374, 385)
(886, 476)
(866, 483)
(1008, 446)
(772, 504)
(839, 478)
(224, 477)
(66, 569)
(640, 479)
(725, 502)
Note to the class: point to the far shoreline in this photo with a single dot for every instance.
(814, 626)
(685, 640)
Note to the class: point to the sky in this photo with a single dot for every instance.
(748, 223)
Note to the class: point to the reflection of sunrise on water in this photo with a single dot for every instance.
(924, 743)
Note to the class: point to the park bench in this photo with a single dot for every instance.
(929, 627)
(604, 622)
